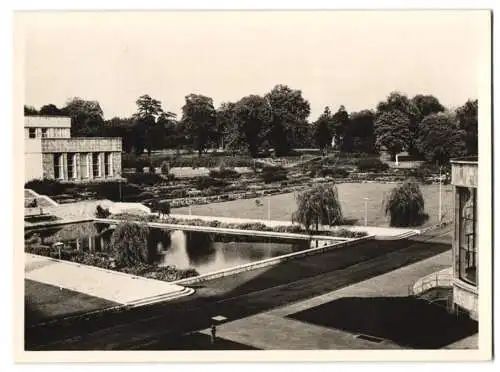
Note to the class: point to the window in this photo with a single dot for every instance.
(84, 165)
(72, 166)
(108, 164)
(96, 165)
(32, 132)
(44, 132)
(58, 167)
(468, 236)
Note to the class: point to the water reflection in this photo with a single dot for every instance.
(205, 252)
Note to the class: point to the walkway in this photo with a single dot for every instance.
(282, 332)
(380, 232)
(110, 285)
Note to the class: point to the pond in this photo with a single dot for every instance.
(204, 252)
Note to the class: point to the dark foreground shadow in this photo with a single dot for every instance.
(195, 341)
(407, 321)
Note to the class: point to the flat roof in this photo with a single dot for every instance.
(47, 122)
(465, 160)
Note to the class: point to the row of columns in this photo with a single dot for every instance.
(83, 165)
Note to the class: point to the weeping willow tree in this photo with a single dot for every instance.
(405, 205)
(129, 243)
(319, 205)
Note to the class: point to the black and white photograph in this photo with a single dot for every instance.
(236, 183)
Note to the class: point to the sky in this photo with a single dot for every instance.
(335, 58)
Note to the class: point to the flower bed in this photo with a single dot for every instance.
(105, 261)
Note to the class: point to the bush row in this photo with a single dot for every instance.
(209, 161)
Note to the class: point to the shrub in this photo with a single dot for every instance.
(204, 182)
(112, 190)
(214, 223)
(274, 174)
(319, 205)
(129, 244)
(405, 205)
(224, 173)
(101, 212)
(47, 186)
(371, 165)
(149, 179)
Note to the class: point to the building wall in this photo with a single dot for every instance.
(33, 168)
(464, 177)
(47, 122)
(49, 133)
(90, 144)
(464, 174)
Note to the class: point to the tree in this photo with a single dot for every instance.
(440, 138)
(150, 126)
(468, 121)
(224, 123)
(121, 127)
(251, 118)
(360, 132)
(323, 130)
(397, 101)
(319, 205)
(50, 110)
(289, 111)
(392, 131)
(148, 107)
(129, 243)
(30, 111)
(199, 121)
(426, 105)
(341, 121)
(405, 205)
(86, 117)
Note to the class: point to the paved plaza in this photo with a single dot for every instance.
(276, 329)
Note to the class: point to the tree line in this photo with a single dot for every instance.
(278, 120)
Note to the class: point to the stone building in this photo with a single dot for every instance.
(464, 178)
(51, 152)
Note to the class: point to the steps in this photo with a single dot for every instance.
(186, 291)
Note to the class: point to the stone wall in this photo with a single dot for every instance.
(48, 165)
(466, 297)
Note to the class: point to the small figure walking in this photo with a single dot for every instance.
(213, 332)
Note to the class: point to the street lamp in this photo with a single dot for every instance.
(366, 210)
(440, 201)
(269, 208)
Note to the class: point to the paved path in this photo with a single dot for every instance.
(284, 333)
(112, 286)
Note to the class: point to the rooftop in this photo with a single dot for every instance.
(465, 160)
(47, 122)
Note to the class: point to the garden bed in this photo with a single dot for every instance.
(106, 261)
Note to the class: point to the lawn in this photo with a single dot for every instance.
(43, 302)
(352, 199)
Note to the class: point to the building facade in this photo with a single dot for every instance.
(464, 178)
(51, 152)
